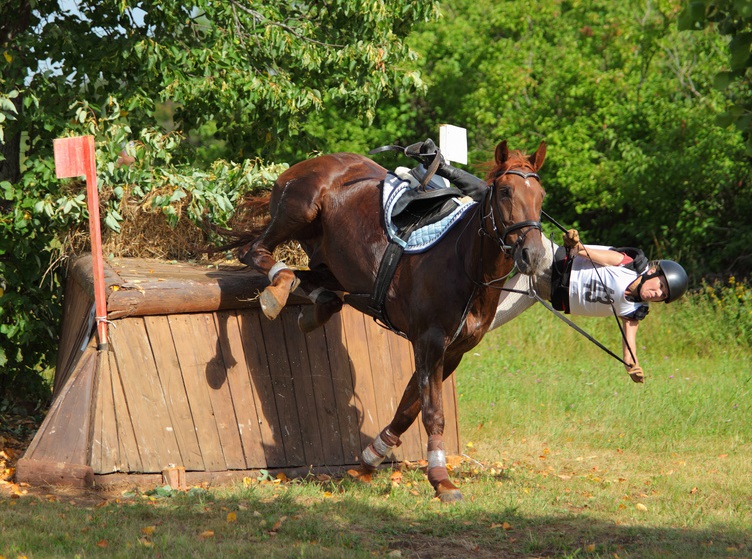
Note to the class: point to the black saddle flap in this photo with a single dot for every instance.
(415, 204)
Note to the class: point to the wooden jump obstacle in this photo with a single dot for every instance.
(195, 377)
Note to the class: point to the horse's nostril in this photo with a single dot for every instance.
(526, 255)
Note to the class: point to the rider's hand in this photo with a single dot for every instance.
(571, 239)
(636, 374)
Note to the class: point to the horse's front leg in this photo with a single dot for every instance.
(406, 414)
(429, 359)
(319, 285)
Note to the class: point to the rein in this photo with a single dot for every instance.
(499, 238)
(572, 324)
(532, 293)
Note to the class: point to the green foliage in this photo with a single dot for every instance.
(42, 210)
(623, 99)
(8, 110)
(257, 72)
(731, 18)
(723, 303)
(155, 181)
(238, 79)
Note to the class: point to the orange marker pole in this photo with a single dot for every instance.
(75, 157)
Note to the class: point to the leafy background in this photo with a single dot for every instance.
(645, 107)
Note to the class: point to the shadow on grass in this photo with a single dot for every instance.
(331, 520)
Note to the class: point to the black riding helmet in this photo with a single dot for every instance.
(676, 278)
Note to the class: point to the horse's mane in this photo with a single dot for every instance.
(516, 159)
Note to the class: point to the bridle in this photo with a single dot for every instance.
(500, 237)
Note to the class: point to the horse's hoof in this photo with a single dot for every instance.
(307, 319)
(447, 492)
(316, 315)
(452, 496)
(270, 303)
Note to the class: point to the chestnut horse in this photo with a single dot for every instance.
(443, 300)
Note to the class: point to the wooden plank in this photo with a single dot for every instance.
(45, 472)
(128, 453)
(284, 392)
(241, 389)
(76, 329)
(401, 352)
(263, 394)
(451, 423)
(385, 393)
(64, 434)
(342, 385)
(150, 417)
(362, 378)
(301, 370)
(193, 361)
(173, 388)
(207, 341)
(104, 441)
(327, 409)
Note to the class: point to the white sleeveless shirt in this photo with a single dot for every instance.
(592, 287)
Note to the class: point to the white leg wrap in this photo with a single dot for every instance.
(276, 268)
(374, 453)
(370, 457)
(436, 459)
(380, 446)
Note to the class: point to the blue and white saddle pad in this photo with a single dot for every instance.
(425, 237)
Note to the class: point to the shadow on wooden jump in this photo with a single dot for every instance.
(193, 378)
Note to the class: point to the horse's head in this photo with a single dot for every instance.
(514, 206)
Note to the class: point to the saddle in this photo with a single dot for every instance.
(407, 209)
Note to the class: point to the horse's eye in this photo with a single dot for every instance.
(504, 191)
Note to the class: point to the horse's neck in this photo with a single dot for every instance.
(489, 268)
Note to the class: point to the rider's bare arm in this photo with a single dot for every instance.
(604, 257)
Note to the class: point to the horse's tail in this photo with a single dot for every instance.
(250, 220)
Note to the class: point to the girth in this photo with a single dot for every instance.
(432, 208)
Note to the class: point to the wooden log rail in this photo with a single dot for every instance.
(145, 287)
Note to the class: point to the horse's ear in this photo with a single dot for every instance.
(536, 160)
(502, 152)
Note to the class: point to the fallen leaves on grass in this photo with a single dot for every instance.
(360, 475)
(396, 478)
(277, 525)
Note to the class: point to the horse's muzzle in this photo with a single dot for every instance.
(529, 256)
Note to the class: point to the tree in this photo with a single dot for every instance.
(248, 74)
(731, 18)
(622, 97)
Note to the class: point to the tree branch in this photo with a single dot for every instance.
(262, 19)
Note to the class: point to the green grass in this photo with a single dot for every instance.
(566, 457)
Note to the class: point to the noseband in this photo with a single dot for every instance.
(501, 237)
